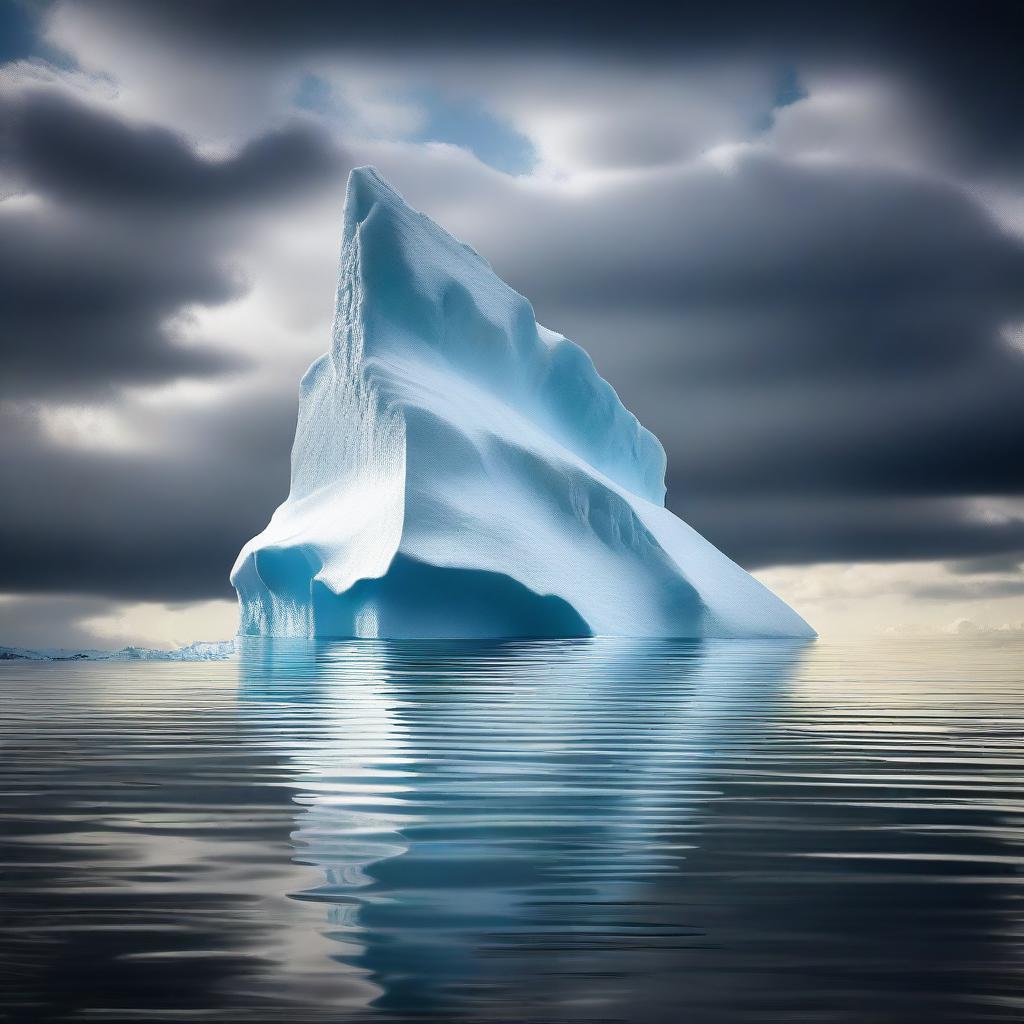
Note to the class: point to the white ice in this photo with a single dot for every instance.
(460, 471)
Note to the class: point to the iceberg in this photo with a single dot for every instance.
(460, 471)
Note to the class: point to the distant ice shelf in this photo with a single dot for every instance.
(218, 650)
(461, 471)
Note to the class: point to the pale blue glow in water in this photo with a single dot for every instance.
(567, 830)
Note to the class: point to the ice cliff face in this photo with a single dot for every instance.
(460, 471)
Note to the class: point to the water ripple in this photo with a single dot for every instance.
(562, 830)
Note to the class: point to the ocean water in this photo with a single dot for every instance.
(522, 832)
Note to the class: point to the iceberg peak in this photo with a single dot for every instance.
(460, 471)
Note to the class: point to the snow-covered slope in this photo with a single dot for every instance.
(459, 470)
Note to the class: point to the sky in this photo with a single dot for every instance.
(790, 235)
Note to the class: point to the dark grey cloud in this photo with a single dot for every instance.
(797, 329)
(85, 302)
(836, 269)
(160, 524)
(41, 622)
(840, 412)
(782, 235)
(599, 24)
(134, 228)
(769, 531)
(959, 434)
(970, 590)
(75, 152)
(962, 60)
(1003, 563)
(820, 347)
(166, 525)
(818, 344)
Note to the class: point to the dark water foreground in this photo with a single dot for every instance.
(554, 831)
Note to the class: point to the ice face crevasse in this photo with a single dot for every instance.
(460, 471)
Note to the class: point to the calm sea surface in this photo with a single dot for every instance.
(528, 832)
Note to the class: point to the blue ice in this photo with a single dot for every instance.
(461, 471)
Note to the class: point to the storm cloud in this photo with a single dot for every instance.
(69, 150)
(794, 329)
(961, 60)
(127, 228)
(792, 239)
(140, 524)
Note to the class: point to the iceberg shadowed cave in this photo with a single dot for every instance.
(461, 471)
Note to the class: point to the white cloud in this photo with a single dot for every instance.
(162, 626)
(880, 598)
(188, 88)
(42, 621)
(858, 118)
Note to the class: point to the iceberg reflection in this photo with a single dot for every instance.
(492, 817)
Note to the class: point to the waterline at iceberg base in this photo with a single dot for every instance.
(461, 471)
